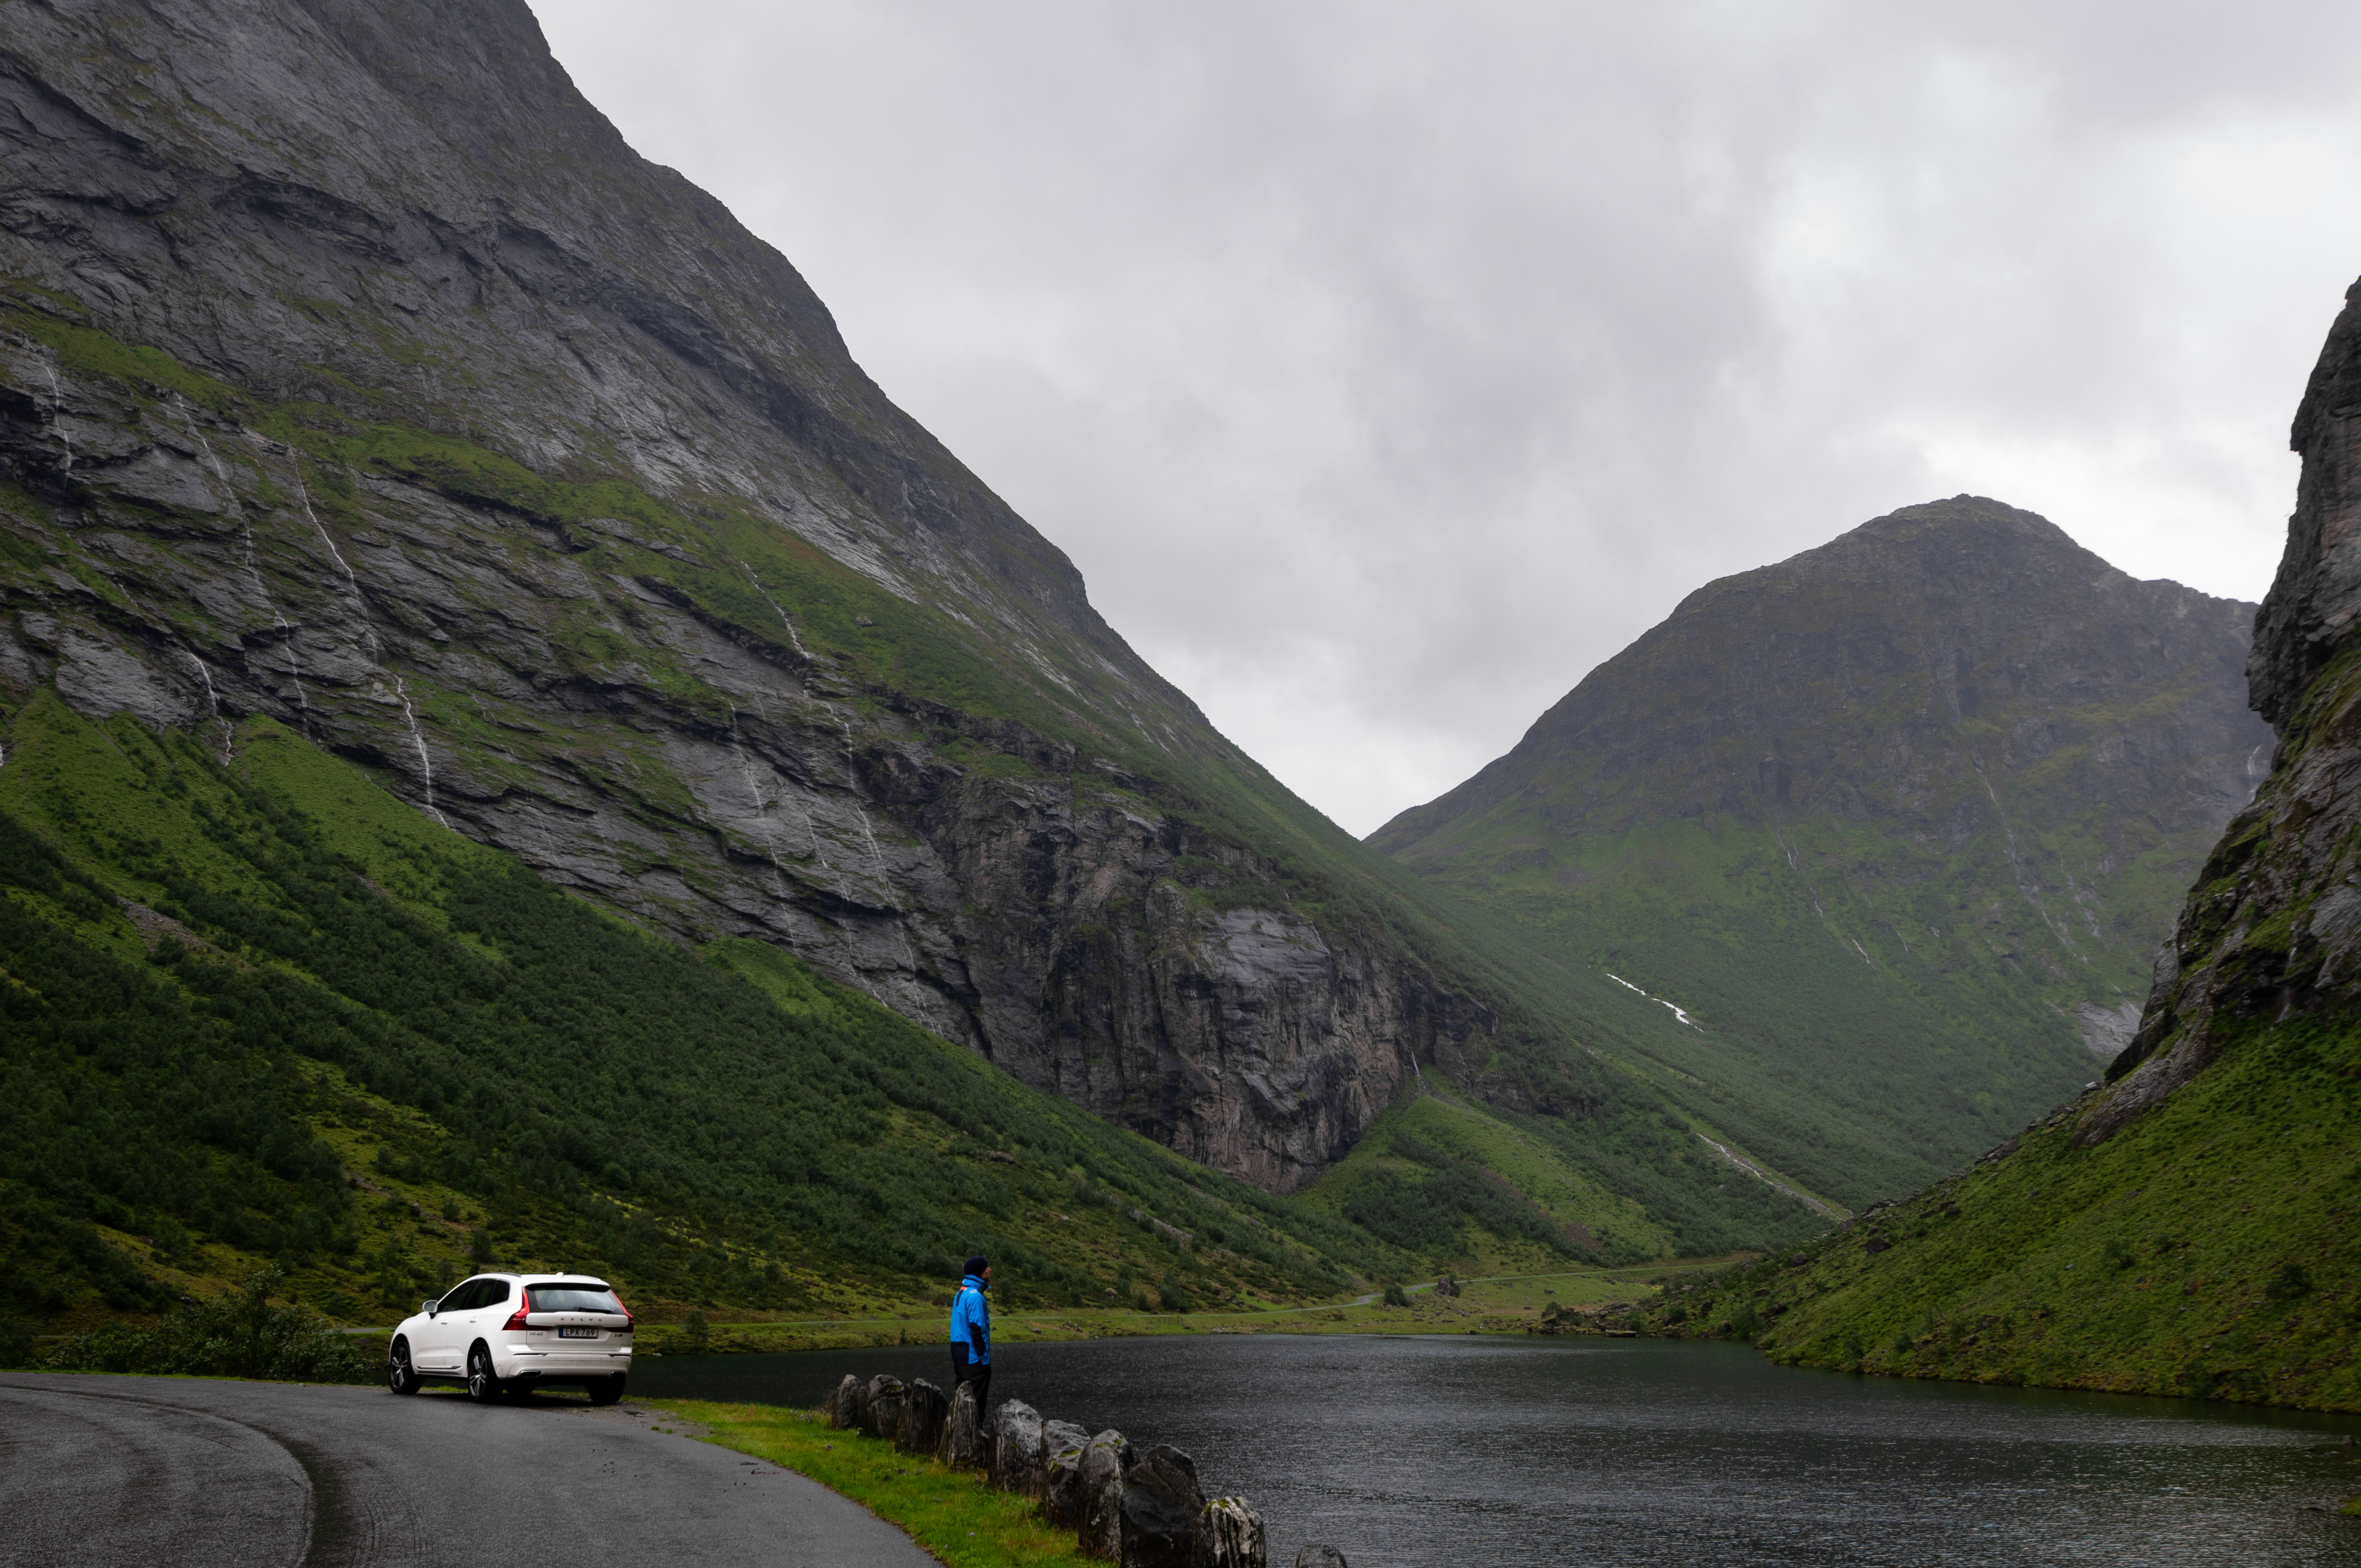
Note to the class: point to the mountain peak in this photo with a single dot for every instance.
(1978, 542)
(1924, 616)
(1942, 778)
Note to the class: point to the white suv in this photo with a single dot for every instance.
(507, 1334)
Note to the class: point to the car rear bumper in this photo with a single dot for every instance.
(523, 1364)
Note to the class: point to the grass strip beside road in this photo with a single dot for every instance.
(952, 1514)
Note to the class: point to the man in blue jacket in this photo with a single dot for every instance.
(972, 1331)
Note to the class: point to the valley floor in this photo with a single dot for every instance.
(1582, 1300)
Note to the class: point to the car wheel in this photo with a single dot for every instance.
(607, 1390)
(483, 1384)
(399, 1376)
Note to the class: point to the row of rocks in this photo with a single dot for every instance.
(1136, 1505)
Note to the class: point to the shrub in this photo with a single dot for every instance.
(1395, 1295)
(16, 1343)
(1427, 1214)
(241, 1334)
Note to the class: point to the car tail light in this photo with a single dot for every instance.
(516, 1319)
(629, 1321)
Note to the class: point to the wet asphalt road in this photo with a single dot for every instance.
(99, 1471)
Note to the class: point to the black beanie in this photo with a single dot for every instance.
(976, 1264)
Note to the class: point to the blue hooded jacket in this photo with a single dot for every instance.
(972, 1318)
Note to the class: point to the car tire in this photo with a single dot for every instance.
(399, 1376)
(607, 1390)
(483, 1383)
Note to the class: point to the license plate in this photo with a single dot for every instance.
(577, 1333)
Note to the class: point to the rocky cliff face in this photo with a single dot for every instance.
(355, 372)
(1918, 802)
(2271, 933)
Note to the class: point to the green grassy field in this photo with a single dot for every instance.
(953, 1514)
(1512, 1303)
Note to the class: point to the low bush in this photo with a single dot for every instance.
(16, 1343)
(242, 1334)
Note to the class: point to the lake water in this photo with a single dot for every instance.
(1423, 1453)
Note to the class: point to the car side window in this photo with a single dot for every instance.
(464, 1297)
(493, 1293)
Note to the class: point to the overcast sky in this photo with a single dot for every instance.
(1385, 366)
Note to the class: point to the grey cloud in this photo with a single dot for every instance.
(1385, 366)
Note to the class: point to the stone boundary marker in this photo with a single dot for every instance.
(1139, 1507)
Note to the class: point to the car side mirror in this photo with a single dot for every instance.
(429, 1305)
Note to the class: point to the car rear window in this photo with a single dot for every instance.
(572, 1299)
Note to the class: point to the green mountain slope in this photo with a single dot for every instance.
(1469, 1186)
(258, 1009)
(2186, 1226)
(419, 416)
(261, 1010)
(2210, 1250)
(1535, 1043)
(1896, 824)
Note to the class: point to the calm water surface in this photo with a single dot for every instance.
(1423, 1452)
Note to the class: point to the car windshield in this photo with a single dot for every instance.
(583, 1297)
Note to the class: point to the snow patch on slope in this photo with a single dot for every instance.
(1677, 1011)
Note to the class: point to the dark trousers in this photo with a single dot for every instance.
(966, 1369)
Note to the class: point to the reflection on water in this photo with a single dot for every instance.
(1423, 1453)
